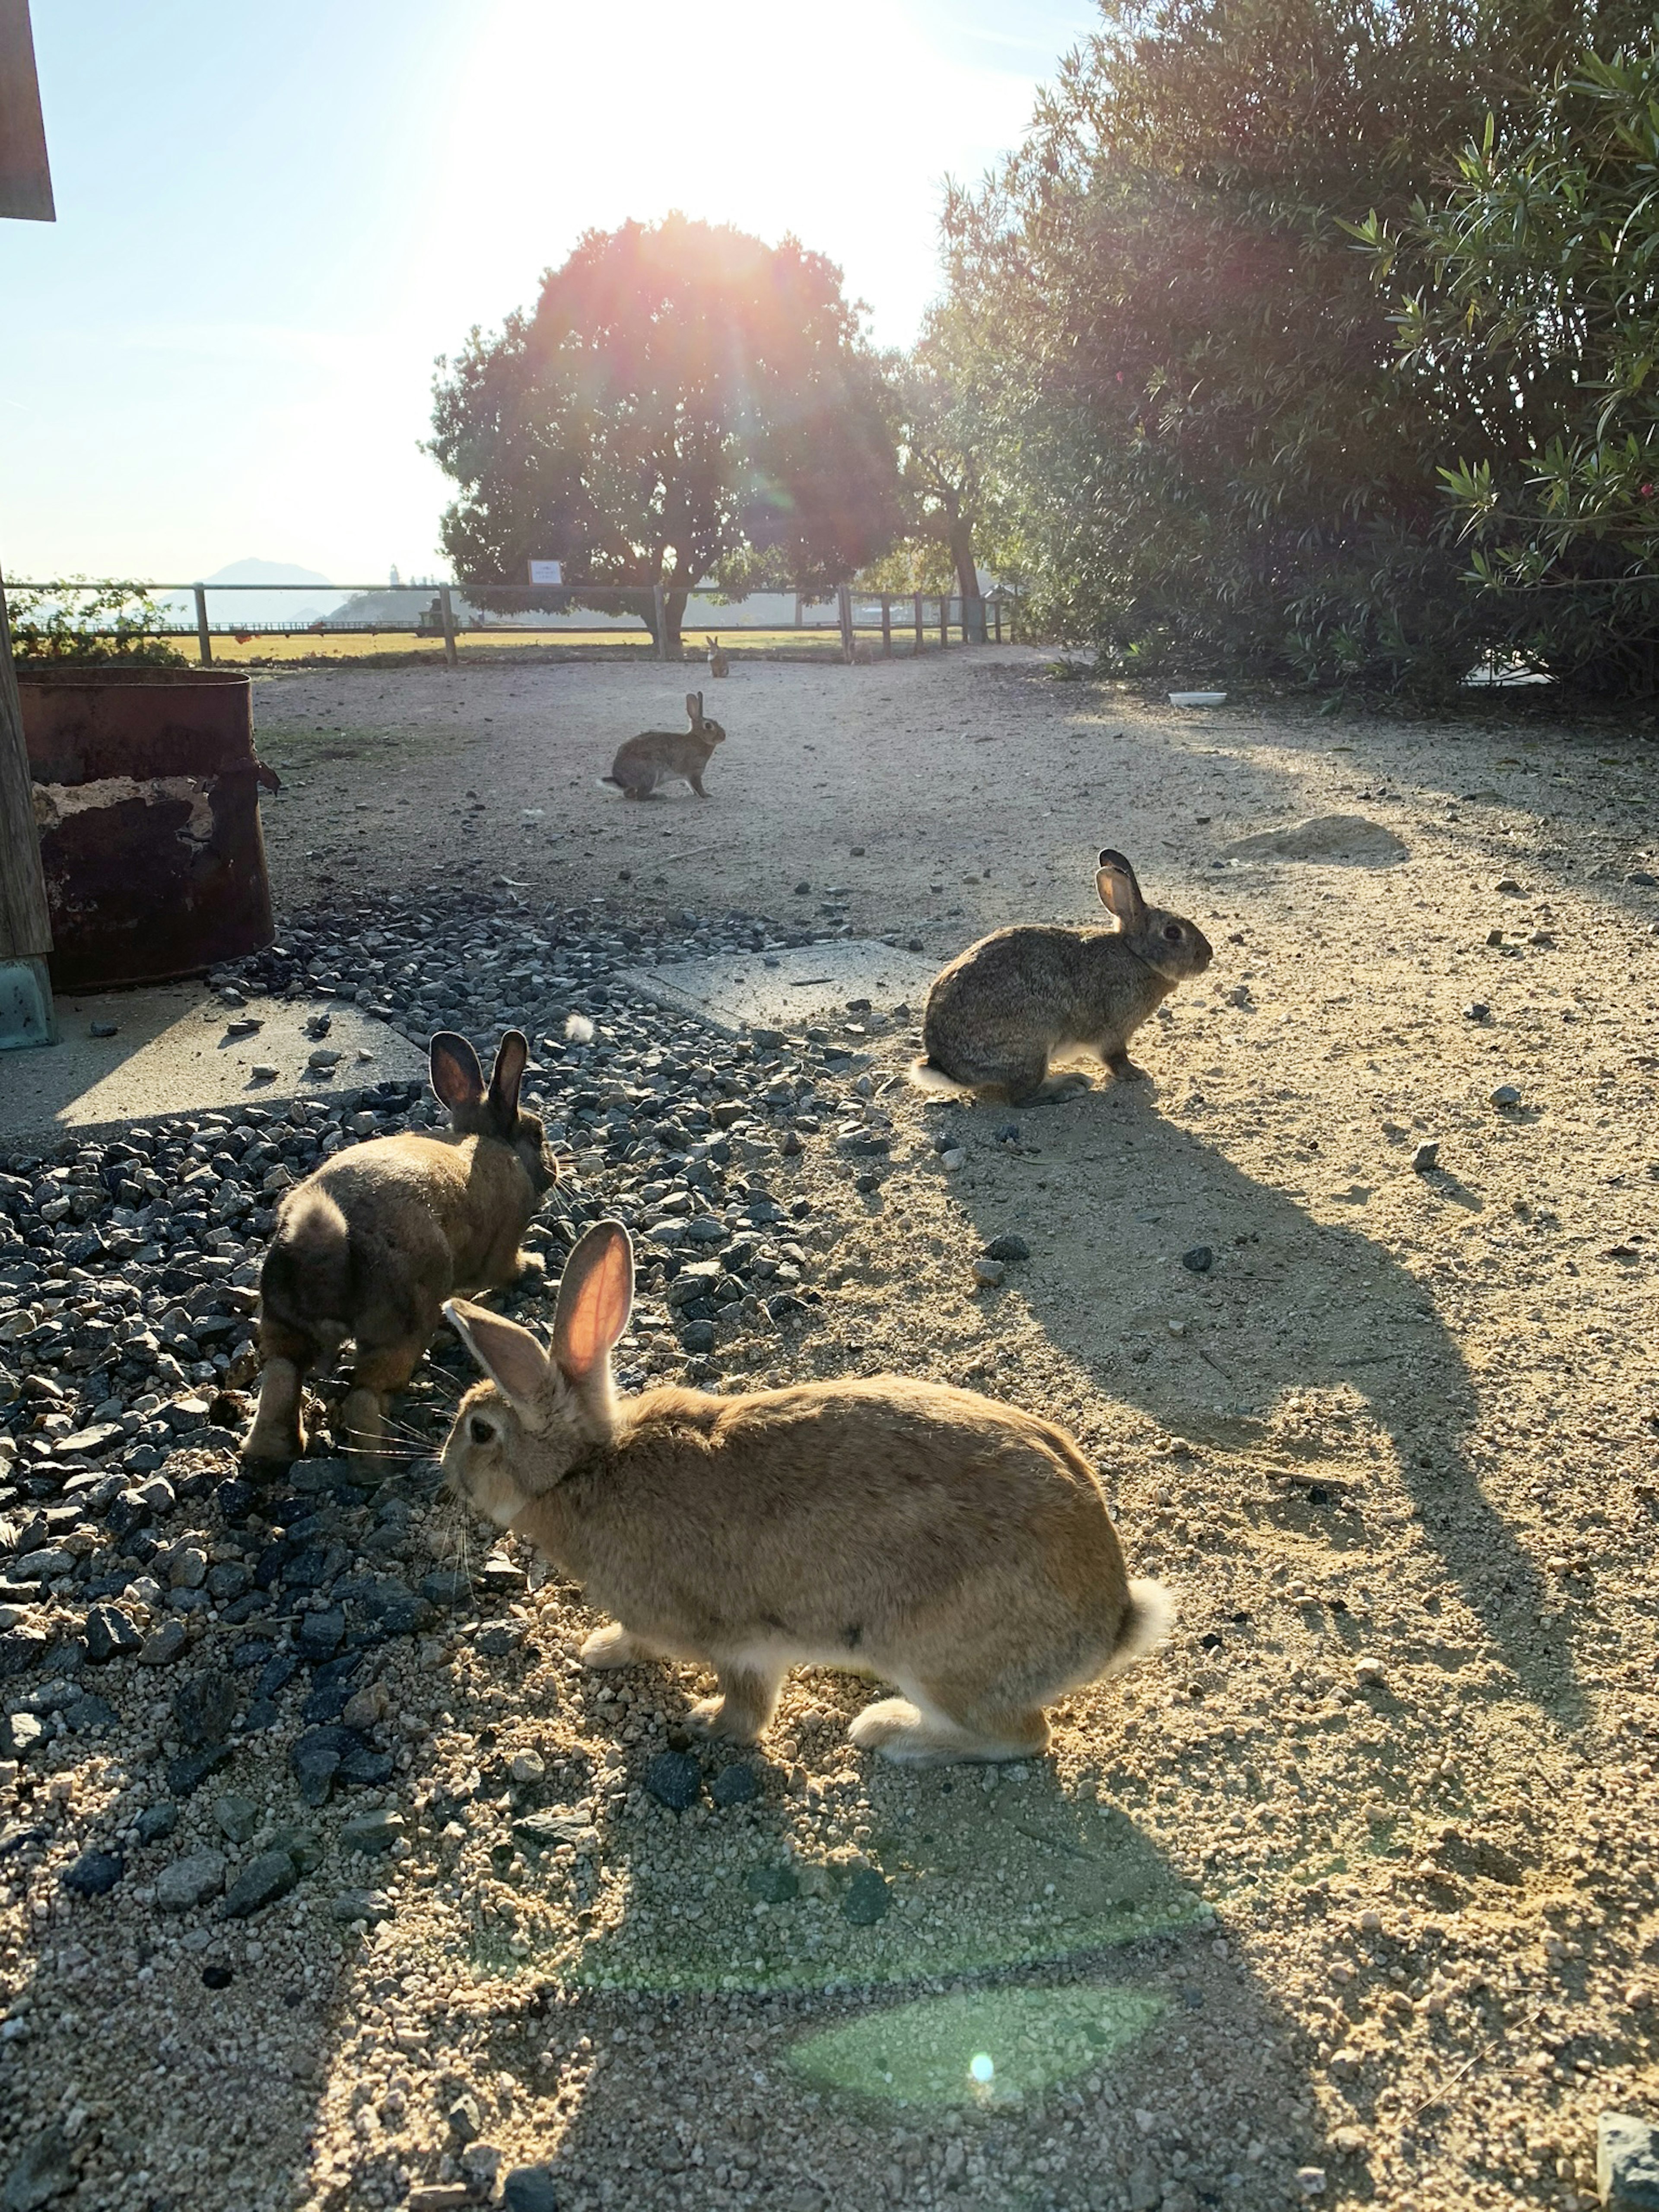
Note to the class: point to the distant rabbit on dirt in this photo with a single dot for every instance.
(1009, 1005)
(719, 664)
(371, 1244)
(659, 756)
(958, 1549)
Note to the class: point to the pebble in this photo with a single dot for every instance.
(110, 1634)
(1426, 1156)
(1198, 1260)
(530, 2188)
(1627, 2163)
(527, 1766)
(1011, 1250)
(373, 1906)
(43, 2172)
(953, 1159)
(674, 1780)
(373, 1832)
(987, 1273)
(1371, 1674)
(261, 1882)
(189, 1882)
(164, 1644)
(1506, 1095)
(94, 1874)
(237, 1816)
(868, 1899)
(1476, 1011)
(735, 1785)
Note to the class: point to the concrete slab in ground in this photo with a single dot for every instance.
(783, 989)
(171, 1054)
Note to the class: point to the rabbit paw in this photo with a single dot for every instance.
(614, 1646)
(721, 1720)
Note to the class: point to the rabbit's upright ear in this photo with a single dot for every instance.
(595, 1296)
(693, 708)
(457, 1078)
(511, 1056)
(512, 1357)
(1120, 894)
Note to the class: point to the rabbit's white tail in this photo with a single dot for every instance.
(1148, 1621)
(927, 1076)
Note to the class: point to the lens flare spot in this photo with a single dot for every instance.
(983, 2069)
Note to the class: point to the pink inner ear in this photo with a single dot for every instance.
(600, 1314)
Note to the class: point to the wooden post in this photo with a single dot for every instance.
(918, 614)
(25, 173)
(944, 618)
(447, 615)
(203, 642)
(25, 1014)
(998, 619)
(887, 625)
(659, 601)
(844, 609)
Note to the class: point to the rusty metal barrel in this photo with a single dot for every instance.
(147, 799)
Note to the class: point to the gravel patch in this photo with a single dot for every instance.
(329, 1878)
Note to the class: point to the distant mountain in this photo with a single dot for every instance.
(261, 609)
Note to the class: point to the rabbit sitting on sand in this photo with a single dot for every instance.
(1006, 1007)
(958, 1549)
(719, 663)
(659, 756)
(371, 1244)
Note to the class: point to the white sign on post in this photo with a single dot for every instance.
(547, 572)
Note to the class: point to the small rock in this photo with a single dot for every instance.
(735, 1785)
(189, 1882)
(103, 1029)
(237, 1816)
(1371, 1674)
(1476, 1011)
(162, 1645)
(953, 1160)
(674, 1780)
(868, 1899)
(1426, 1156)
(698, 1335)
(263, 1071)
(527, 1766)
(370, 1905)
(1009, 1249)
(216, 1976)
(155, 1822)
(1198, 1260)
(21, 1734)
(1506, 1095)
(321, 1634)
(1627, 2163)
(204, 1709)
(530, 2188)
(109, 1635)
(367, 1707)
(261, 1882)
(772, 1885)
(987, 1273)
(43, 2172)
(1509, 885)
(94, 1874)
(373, 1832)
(464, 2119)
(1310, 2180)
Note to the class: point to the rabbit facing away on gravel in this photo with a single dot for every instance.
(958, 1549)
(371, 1244)
(719, 662)
(1003, 1009)
(659, 756)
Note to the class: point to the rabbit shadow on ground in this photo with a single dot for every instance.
(1288, 1309)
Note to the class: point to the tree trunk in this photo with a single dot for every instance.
(674, 601)
(960, 540)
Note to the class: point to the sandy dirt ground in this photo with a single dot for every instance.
(1347, 1895)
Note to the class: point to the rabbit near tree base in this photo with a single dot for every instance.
(956, 1547)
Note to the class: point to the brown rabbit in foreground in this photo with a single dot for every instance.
(956, 1548)
(371, 1244)
(659, 756)
(1006, 1007)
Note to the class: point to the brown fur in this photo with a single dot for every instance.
(659, 756)
(719, 663)
(372, 1243)
(1003, 1009)
(956, 1546)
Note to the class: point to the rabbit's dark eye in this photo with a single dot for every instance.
(1172, 931)
(480, 1431)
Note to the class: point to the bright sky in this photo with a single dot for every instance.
(271, 219)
